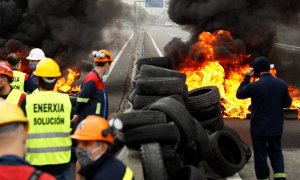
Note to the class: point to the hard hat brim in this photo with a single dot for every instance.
(32, 59)
(86, 138)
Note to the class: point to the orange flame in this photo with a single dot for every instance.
(225, 72)
(68, 85)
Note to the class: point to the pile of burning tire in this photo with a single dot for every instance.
(180, 134)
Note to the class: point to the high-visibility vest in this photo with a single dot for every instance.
(48, 141)
(18, 80)
(14, 96)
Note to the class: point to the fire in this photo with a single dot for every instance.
(295, 94)
(223, 64)
(68, 85)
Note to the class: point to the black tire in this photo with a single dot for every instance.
(203, 97)
(173, 164)
(189, 173)
(185, 93)
(232, 131)
(153, 163)
(227, 156)
(207, 113)
(163, 62)
(116, 146)
(247, 149)
(214, 124)
(163, 133)
(159, 86)
(177, 113)
(202, 142)
(135, 119)
(141, 101)
(132, 95)
(148, 71)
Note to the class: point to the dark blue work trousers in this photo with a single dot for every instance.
(267, 146)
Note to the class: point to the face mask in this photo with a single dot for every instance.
(32, 66)
(84, 156)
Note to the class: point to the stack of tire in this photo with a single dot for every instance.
(177, 134)
(153, 83)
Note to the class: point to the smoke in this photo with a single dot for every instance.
(255, 22)
(67, 30)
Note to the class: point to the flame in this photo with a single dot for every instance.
(68, 85)
(295, 94)
(225, 72)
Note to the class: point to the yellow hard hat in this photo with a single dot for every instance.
(10, 113)
(47, 68)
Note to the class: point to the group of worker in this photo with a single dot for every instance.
(35, 123)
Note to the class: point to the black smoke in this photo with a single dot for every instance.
(65, 29)
(255, 22)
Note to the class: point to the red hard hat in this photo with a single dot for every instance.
(6, 69)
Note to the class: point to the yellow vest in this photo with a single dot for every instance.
(14, 96)
(18, 80)
(48, 141)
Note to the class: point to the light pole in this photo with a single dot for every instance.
(139, 13)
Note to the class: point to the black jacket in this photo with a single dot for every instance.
(106, 168)
(269, 95)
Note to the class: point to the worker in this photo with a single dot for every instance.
(13, 96)
(49, 114)
(94, 137)
(269, 95)
(13, 133)
(20, 80)
(92, 99)
(34, 58)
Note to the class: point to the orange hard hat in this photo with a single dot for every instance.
(102, 56)
(93, 128)
(6, 69)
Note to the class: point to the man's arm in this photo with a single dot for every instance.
(288, 99)
(244, 90)
(86, 93)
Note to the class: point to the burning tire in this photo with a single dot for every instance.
(207, 113)
(189, 173)
(227, 156)
(147, 71)
(177, 113)
(165, 134)
(214, 124)
(153, 163)
(202, 98)
(159, 86)
(139, 118)
(163, 62)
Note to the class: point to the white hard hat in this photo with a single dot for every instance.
(36, 54)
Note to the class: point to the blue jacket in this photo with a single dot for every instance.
(269, 95)
(92, 99)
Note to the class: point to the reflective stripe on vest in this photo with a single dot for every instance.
(14, 96)
(18, 80)
(128, 174)
(48, 139)
(279, 175)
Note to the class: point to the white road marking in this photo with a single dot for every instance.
(155, 45)
(287, 46)
(105, 77)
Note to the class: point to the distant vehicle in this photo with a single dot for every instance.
(168, 24)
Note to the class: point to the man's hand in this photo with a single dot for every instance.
(250, 72)
(74, 119)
